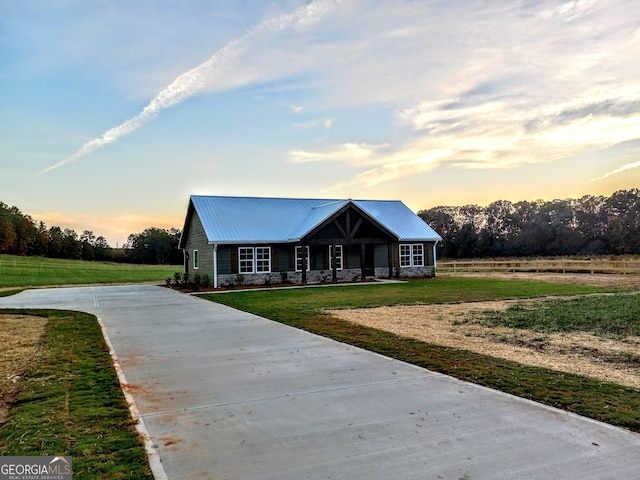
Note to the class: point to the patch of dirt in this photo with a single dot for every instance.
(19, 340)
(597, 279)
(452, 325)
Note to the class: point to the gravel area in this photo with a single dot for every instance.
(580, 353)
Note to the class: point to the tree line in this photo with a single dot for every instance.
(21, 235)
(591, 225)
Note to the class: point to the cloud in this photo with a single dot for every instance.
(201, 78)
(624, 168)
(477, 133)
(325, 123)
(351, 153)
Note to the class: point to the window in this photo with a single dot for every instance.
(405, 255)
(263, 259)
(412, 255)
(338, 257)
(299, 259)
(245, 260)
(195, 260)
(418, 255)
(254, 259)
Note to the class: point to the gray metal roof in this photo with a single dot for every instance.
(285, 220)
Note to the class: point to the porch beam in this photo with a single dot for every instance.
(353, 232)
(342, 232)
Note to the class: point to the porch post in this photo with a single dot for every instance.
(390, 258)
(362, 258)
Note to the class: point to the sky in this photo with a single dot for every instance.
(112, 112)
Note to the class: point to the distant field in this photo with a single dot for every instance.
(38, 271)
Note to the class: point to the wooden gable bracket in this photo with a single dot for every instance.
(349, 233)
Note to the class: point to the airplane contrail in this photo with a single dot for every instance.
(195, 80)
(628, 166)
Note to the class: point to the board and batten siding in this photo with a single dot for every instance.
(197, 240)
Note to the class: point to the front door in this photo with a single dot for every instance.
(369, 262)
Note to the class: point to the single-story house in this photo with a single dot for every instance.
(253, 240)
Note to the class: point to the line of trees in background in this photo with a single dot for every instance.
(591, 225)
(21, 235)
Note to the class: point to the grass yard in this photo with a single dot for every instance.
(609, 316)
(306, 309)
(69, 402)
(26, 272)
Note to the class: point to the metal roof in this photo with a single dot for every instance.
(285, 220)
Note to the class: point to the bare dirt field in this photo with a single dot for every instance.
(579, 353)
(19, 339)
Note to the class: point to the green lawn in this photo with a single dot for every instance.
(70, 403)
(304, 308)
(25, 272)
(614, 316)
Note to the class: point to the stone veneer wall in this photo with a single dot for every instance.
(319, 276)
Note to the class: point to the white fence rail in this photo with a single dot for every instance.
(622, 265)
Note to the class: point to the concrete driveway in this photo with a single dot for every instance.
(228, 395)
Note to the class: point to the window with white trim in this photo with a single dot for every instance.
(417, 258)
(254, 259)
(338, 257)
(263, 259)
(299, 259)
(196, 263)
(245, 259)
(412, 255)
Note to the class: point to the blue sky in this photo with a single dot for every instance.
(113, 113)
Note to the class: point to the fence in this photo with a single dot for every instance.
(622, 265)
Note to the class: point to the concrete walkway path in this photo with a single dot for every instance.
(228, 395)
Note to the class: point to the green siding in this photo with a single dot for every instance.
(197, 240)
(224, 259)
(381, 256)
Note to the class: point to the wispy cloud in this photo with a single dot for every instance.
(352, 153)
(200, 78)
(628, 166)
(325, 123)
(473, 134)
